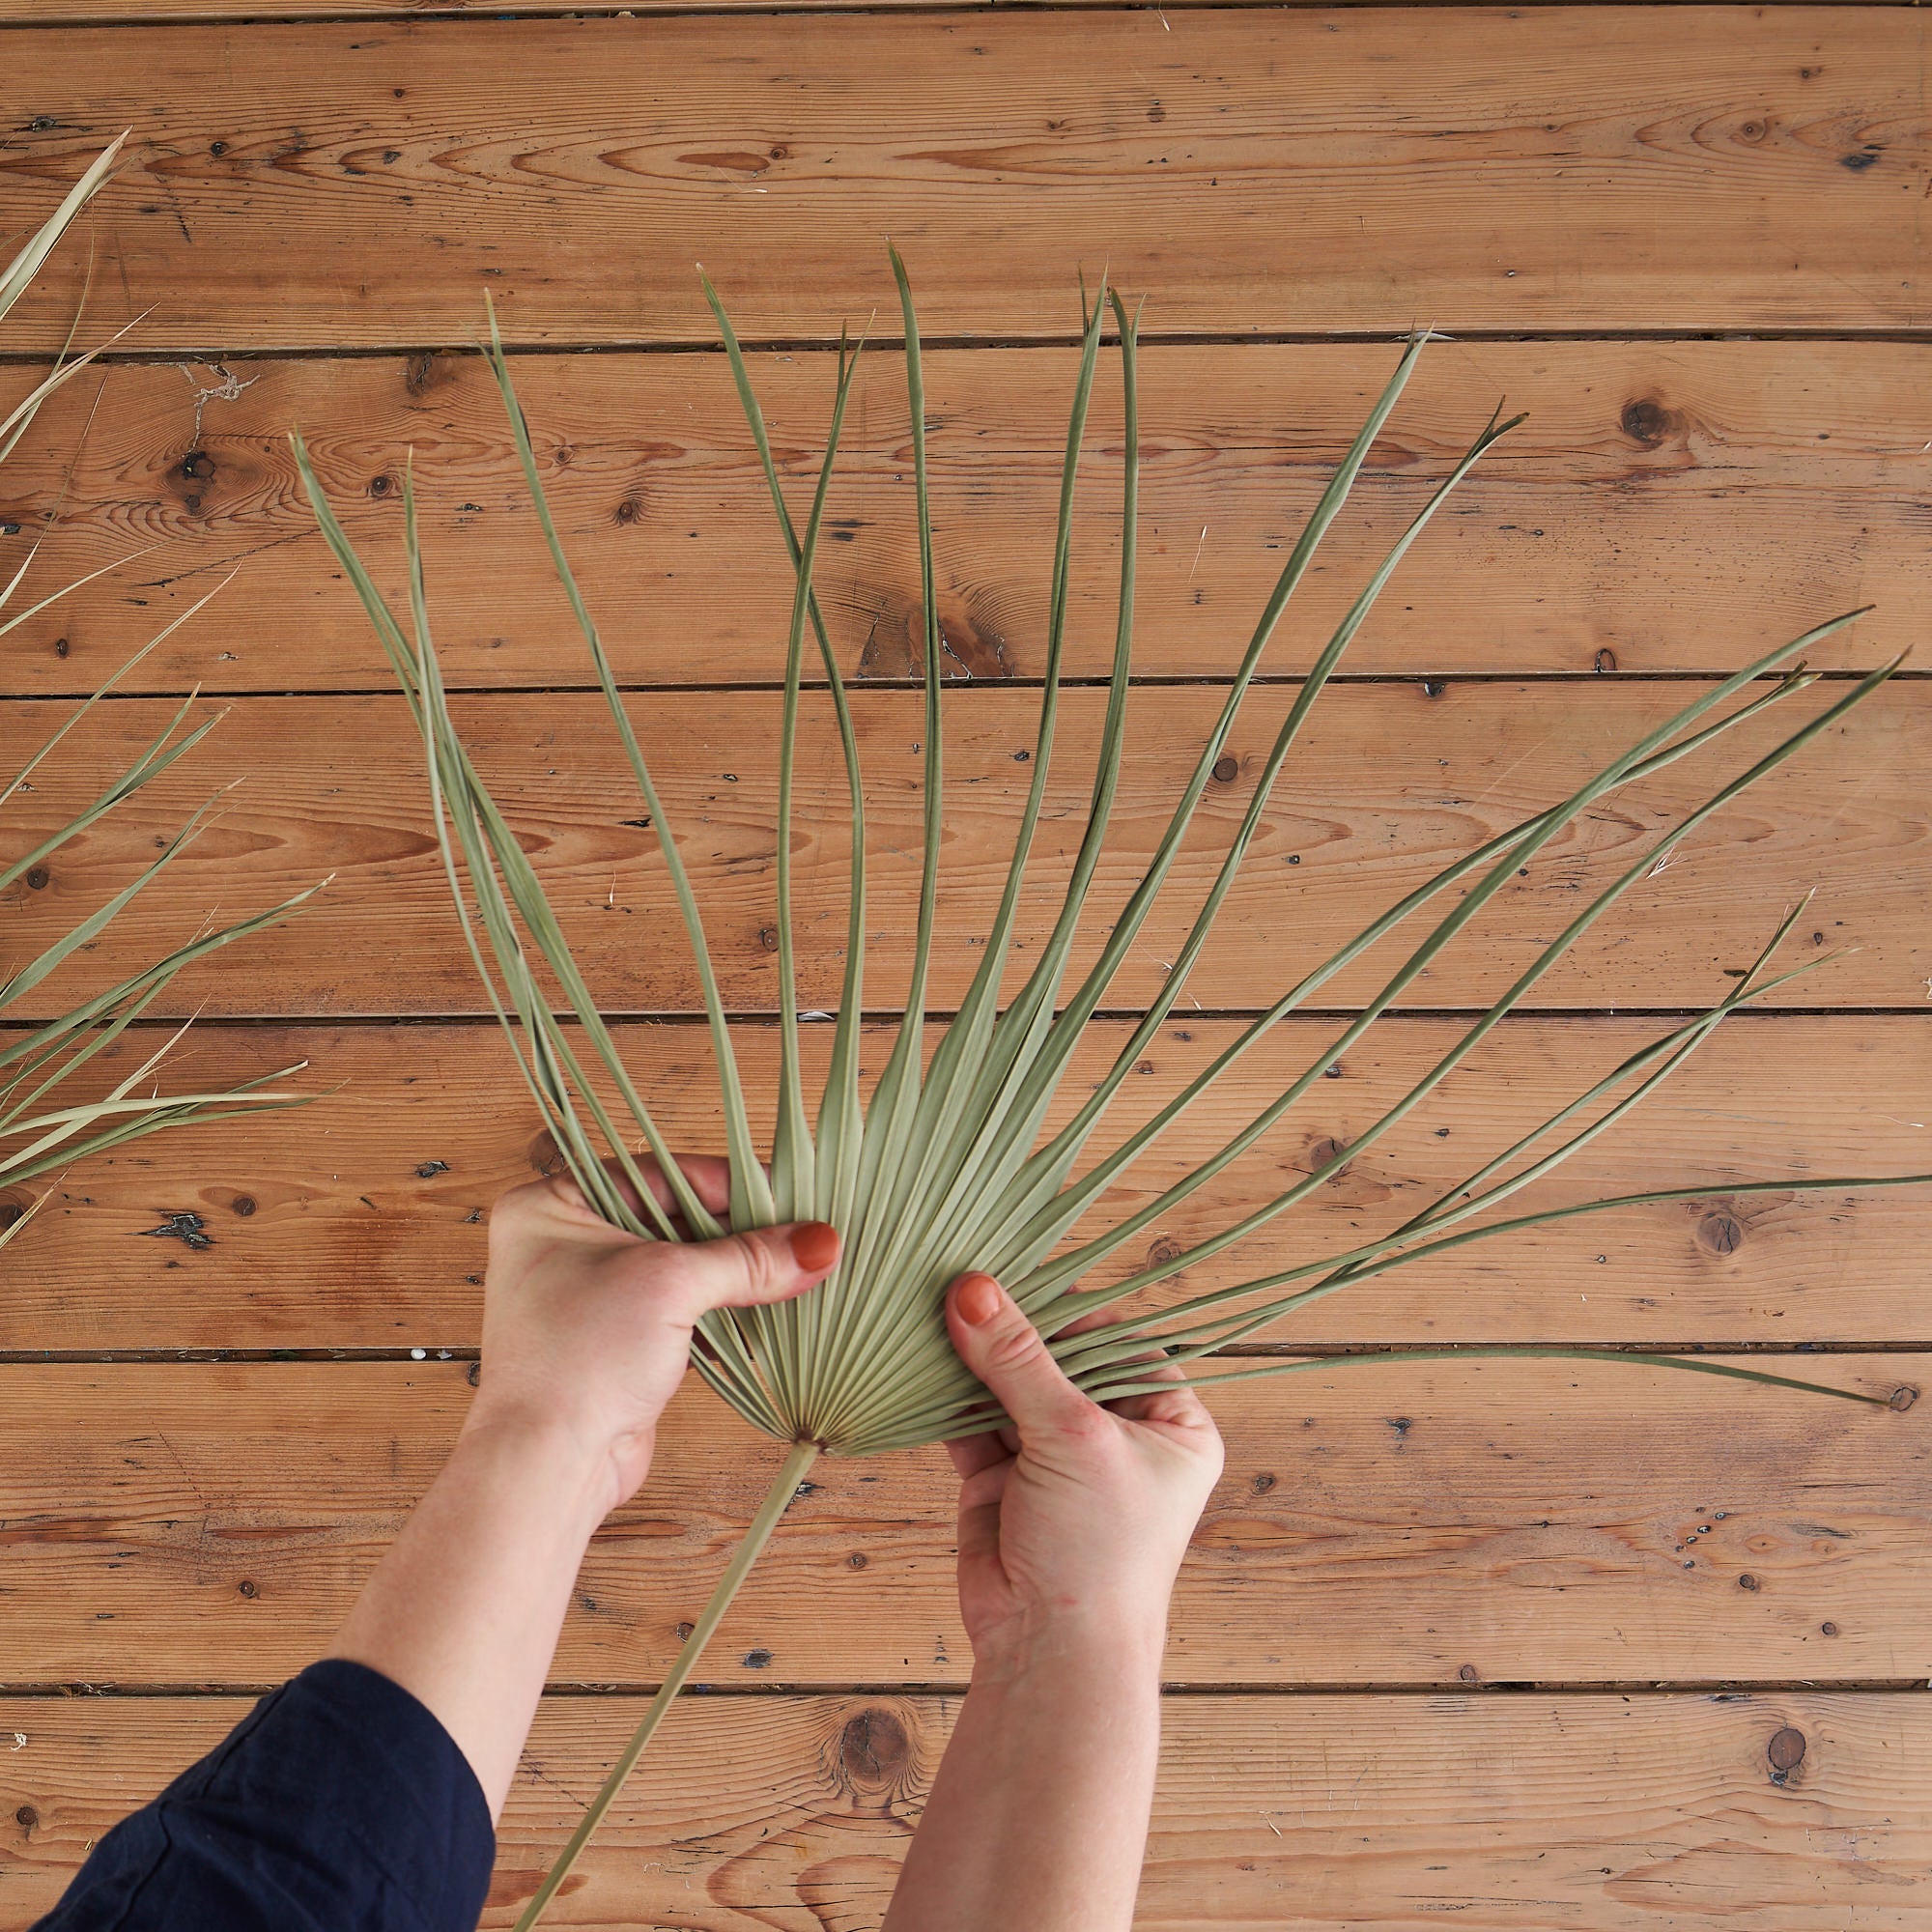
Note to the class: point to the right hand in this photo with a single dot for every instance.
(587, 1328)
(1076, 1517)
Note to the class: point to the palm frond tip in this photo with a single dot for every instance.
(40, 1133)
(947, 1165)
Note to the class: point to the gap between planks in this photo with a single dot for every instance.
(1720, 1689)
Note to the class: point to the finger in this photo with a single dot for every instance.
(709, 1178)
(1180, 1405)
(760, 1265)
(977, 1530)
(1176, 1407)
(969, 1454)
(998, 1342)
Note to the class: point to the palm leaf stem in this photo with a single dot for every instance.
(798, 1462)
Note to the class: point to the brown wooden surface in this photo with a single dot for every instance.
(1249, 170)
(185, 1523)
(1585, 542)
(1532, 1813)
(1391, 784)
(126, 12)
(325, 1231)
(1632, 176)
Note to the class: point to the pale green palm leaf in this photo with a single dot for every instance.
(949, 1165)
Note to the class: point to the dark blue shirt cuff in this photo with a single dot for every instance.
(338, 1805)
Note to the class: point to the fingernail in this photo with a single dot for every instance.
(815, 1246)
(979, 1299)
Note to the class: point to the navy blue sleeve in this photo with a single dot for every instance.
(338, 1805)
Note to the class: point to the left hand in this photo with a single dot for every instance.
(1076, 1515)
(588, 1330)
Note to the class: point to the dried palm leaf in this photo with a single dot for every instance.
(947, 1166)
(38, 1131)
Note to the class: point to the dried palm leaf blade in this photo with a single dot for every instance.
(948, 1163)
(39, 1132)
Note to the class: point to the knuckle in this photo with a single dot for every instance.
(761, 1263)
(1087, 1424)
(1017, 1345)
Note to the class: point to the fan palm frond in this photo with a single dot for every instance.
(39, 1132)
(947, 1164)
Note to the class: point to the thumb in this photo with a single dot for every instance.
(996, 1340)
(760, 1265)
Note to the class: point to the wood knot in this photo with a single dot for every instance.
(26, 1817)
(1470, 1674)
(874, 1753)
(1324, 1152)
(1720, 1233)
(243, 1205)
(247, 1587)
(1227, 769)
(1161, 1250)
(1902, 1398)
(197, 465)
(1263, 1483)
(1786, 1752)
(381, 485)
(37, 877)
(768, 938)
(1746, 1581)
(544, 1155)
(972, 644)
(427, 371)
(1604, 662)
(1646, 421)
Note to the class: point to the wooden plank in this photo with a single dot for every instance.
(1611, 530)
(1605, 1813)
(1545, 168)
(92, 12)
(1557, 1522)
(1389, 785)
(358, 1223)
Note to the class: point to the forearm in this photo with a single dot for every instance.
(1038, 1815)
(464, 1609)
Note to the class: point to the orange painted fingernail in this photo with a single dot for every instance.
(978, 1298)
(815, 1246)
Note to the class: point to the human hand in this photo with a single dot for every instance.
(588, 1329)
(1074, 1520)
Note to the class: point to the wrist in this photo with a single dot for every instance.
(572, 1471)
(1114, 1646)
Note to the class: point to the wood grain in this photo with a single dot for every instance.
(1603, 1813)
(357, 1223)
(1613, 532)
(102, 13)
(1558, 1521)
(1548, 168)
(1389, 785)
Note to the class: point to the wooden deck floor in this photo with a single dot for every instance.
(1537, 1644)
